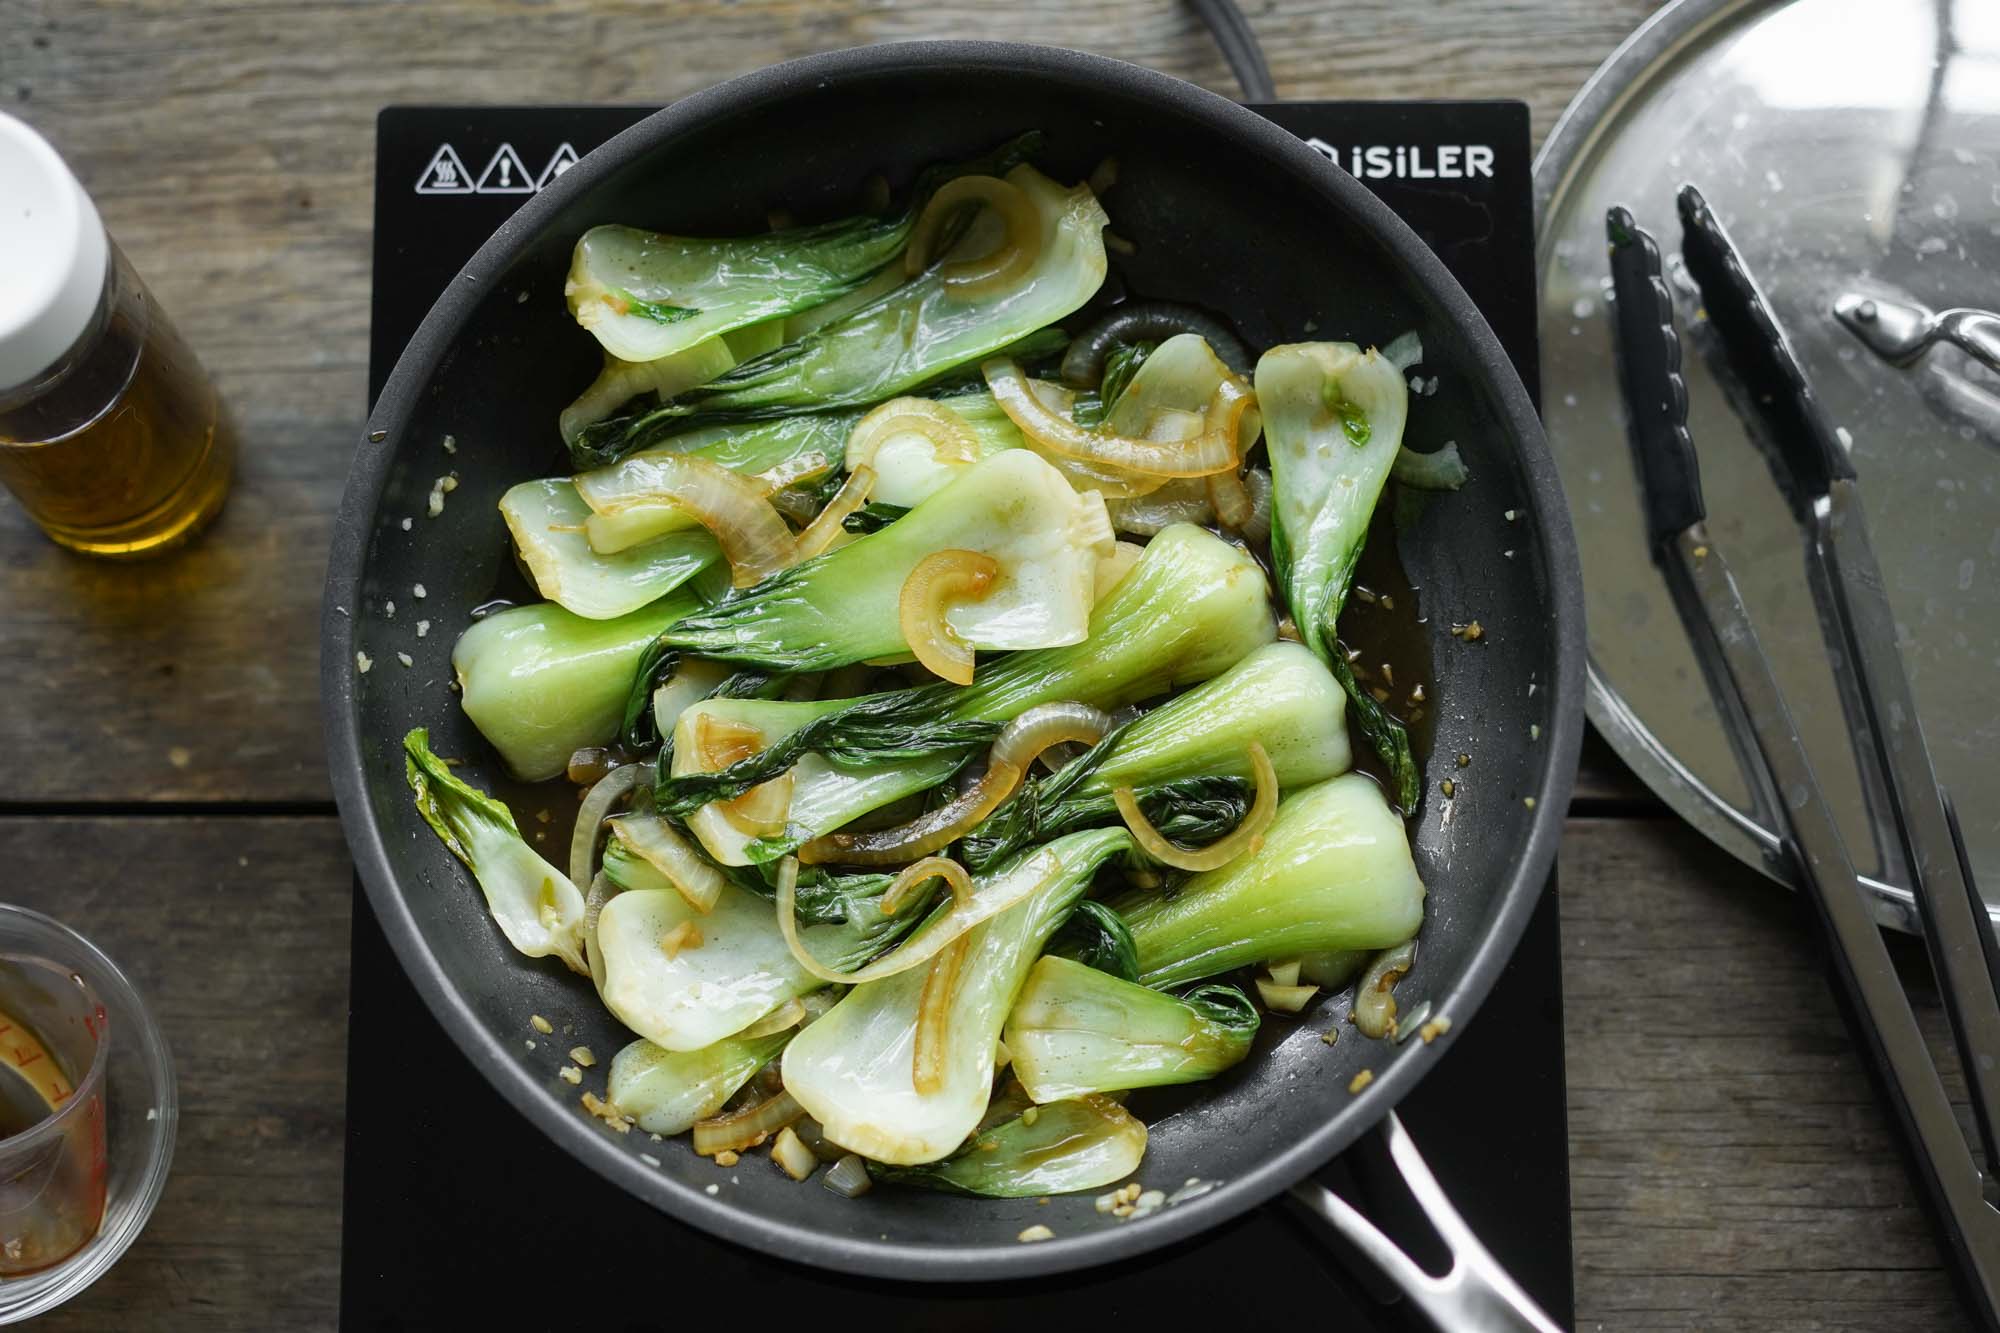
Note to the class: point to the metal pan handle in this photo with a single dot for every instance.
(1476, 1295)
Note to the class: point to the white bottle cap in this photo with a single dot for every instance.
(53, 254)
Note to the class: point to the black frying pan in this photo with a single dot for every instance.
(1229, 212)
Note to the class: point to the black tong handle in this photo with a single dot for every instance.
(1649, 373)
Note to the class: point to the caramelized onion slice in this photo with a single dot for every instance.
(933, 1040)
(654, 839)
(998, 269)
(762, 811)
(736, 508)
(966, 912)
(1213, 449)
(941, 577)
(1245, 837)
(1231, 498)
(746, 1128)
(819, 534)
(606, 792)
(952, 440)
(1013, 750)
(1374, 1005)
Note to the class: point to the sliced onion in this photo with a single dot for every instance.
(1212, 450)
(654, 839)
(736, 508)
(963, 916)
(746, 1128)
(1374, 1006)
(952, 440)
(933, 1044)
(849, 1177)
(600, 893)
(1258, 527)
(1014, 749)
(941, 577)
(1000, 268)
(597, 803)
(1182, 500)
(819, 534)
(793, 470)
(1231, 498)
(1247, 836)
(787, 1015)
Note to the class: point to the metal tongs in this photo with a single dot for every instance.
(1861, 639)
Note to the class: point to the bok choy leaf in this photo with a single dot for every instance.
(1333, 425)
(907, 339)
(843, 607)
(1062, 1148)
(547, 520)
(1076, 1030)
(1334, 872)
(534, 904)
(853, 1069)
(667, 1091)
(1191, 608)
(1279, 695)
(741, 969)
(541, 683)
(645, 295)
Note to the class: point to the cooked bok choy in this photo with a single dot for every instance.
(541, 683)
(924, 819)
(930, 325)
(1039, 538)
(854, 1069)
(646, 294)
(534, 904)
(1334, 872)
(1192, 607)
(730, 969)
(1063, 1148)
(1076, 1030)
(1333, 426)
(665, 1091)
(1189, 753)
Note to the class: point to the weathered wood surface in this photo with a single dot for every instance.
(235, 931)
(1730, 1166)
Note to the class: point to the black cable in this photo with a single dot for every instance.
(1233, 33)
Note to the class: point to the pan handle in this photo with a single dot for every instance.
(1476, 1296)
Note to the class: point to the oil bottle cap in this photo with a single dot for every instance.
(53, 255)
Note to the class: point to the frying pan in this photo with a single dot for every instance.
(1229, 212)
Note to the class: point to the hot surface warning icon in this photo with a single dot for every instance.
(445, 174)
(505, 174)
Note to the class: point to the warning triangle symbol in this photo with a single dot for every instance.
(564, 159)
(445, 174)
(505, 174)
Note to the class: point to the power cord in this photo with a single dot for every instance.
(1233, 33)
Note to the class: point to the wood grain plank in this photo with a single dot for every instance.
(235, 931)
(230, 147)
(1730, 1163)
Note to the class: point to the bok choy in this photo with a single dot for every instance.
(1191, 608)
(732, 968)
(667, 1091)
(1076, 1030)
(534, 904)
(853, 1070)
(1063, 1148)
(844, 607)
(928, 326)
(1280, 695)
(1335, 872)
(541, 683)
(1333, 423)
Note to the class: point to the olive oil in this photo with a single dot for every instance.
(122, 449)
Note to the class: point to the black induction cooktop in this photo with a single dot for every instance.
(460, 1214)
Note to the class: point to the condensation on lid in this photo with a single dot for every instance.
(53, 255)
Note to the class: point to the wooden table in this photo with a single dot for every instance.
(165, 792)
